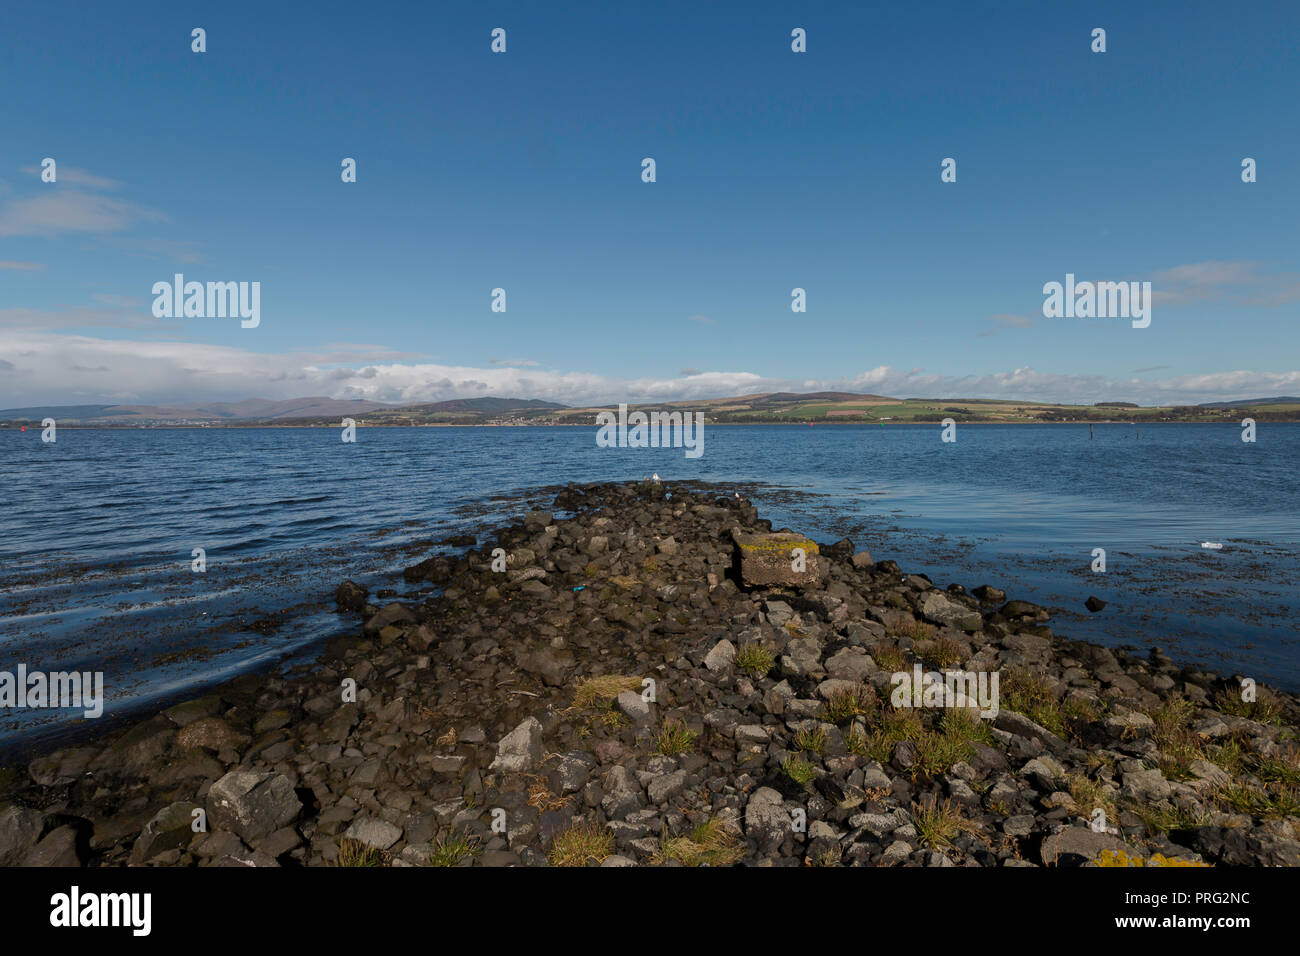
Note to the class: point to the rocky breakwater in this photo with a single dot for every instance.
(658, 679)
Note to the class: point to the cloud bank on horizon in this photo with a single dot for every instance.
(72, 369)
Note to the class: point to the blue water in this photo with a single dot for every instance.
(97, 535)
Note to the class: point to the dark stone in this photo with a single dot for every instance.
(350, 597)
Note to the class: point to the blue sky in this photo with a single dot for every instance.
(522, 170)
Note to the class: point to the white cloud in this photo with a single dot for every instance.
(67, 210)
(117, 314)
(178, 250)
(77, 177)
(66, 369)
(1005, 320)
(1240, 283)
(520, 362)
(122, 301)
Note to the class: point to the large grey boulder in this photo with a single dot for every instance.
(374, 832)
(938, 608)
(1081, 842)
(520, 750)
(252, 805)
(766, 819)
(61, 847)
(171, 828)
(770, 559)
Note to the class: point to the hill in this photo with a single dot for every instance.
(1284, 400)
(763, 408)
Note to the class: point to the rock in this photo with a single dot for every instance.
(1129, 726)
(171, 828)
(247, 858)
(20, 829)
(573, 771)
(850, 664)
(1208, 774)
(609, 750)
(350, 596)
(896, 853)
(60, 847)
(537, 590)
(1013, 609)
(62, 766)
(1046, 773)
(768, 559)
(803, 658)
(862, 559)
(750, 735)
(374, 833)
(835, 685)
(1145, 786)
(778, 612)
(1094, 604)
(252, 805)
(937, 608)
(140, 751)
(1020, 825)
(1210, 728)
(904, 755)
(874, 778)
(520, 575)
(520, 750)
(633, 706)
(445, 763)
(766, 820)
(218, 844)
(537, 520)
(549, 665)
(663, 788)
(1235, 846)
(1022, 726)
(210, 733)
(1081, 842)
(721, 658)
(876, 823)
(393, 613)
(841, 550)
(622, 793)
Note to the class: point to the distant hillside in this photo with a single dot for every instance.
(787, 398)
(1285, 400)
(764, 408)
(59, 413)
(483, 405)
